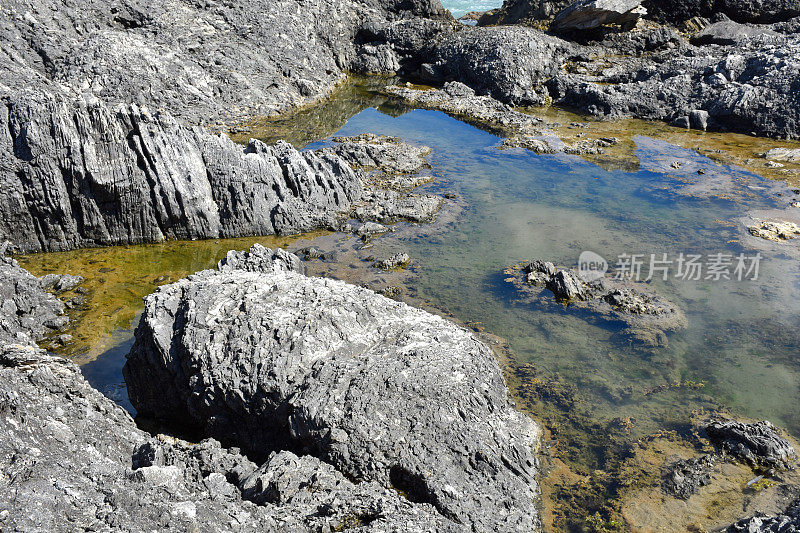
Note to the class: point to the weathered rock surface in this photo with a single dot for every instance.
(757, 444)
(71, 459)
(27, 312)
(684, 478)
(510, 64)
(532, 12)
(261, 259)
(673, 11)
(774, 230)
(382, 392)
(646, 316)
(82, 161)
(783, 154)
(85, 175)
(590, 14)
(748, 87)
(728, 32)
(394, 261)
(202, 62)
(755, 11)
(381, 153)
(787, 522)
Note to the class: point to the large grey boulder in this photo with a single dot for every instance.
(379, 390)
(507, 63)
(73, 460)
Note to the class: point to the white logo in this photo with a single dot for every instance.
(591, 266)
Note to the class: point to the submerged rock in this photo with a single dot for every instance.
(61, 282)
(774, 230)
(646, 316)
(684, 478)
(394, 261)
(790, 155)
(757, 444)
(380, 391)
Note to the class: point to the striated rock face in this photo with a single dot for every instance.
(382, 392)
(589, 14)
(83, 174)
(81, 161)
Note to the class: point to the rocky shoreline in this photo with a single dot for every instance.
(318, 405)
(96, 154)
(404, 425)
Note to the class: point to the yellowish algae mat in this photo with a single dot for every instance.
(745, 151)
(118, 278)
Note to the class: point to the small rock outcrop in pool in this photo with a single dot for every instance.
(389, 169)
(646, 316)
(381, 391)
(757, 444)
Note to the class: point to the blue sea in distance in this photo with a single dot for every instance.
(461, 7)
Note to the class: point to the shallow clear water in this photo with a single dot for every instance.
(461, 7)
(742, 340)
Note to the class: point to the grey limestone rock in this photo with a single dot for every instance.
(71, 459)
(27, 312)
(758, 444)
(83, 174)
(786, 522)
(589, 14)
(382, 392)
(261, 259)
